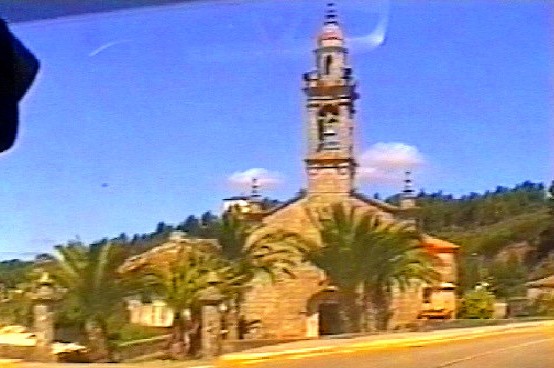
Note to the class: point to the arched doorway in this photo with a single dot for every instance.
(329, 319)
(325, 313)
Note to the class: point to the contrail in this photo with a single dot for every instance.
(106, 46)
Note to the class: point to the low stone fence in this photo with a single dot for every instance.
(135, 350)
(127, 351)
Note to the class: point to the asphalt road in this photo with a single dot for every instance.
(522, 348)
(529, 349)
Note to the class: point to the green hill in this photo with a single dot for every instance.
(489, 240)
(506, 236)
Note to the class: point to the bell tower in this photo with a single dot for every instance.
(331, 93)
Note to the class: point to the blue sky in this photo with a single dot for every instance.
(143, 115)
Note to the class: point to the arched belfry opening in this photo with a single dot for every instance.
(327, 64)
(328, 128)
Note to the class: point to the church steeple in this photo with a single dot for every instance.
(331, 92)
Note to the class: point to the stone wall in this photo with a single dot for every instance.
(156, 314)
(447, 267)
(406, 306)
(322, 179)
(281, 307)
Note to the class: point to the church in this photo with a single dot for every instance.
(303, 306)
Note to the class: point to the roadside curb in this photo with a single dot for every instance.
(9, 362)
(387, 342)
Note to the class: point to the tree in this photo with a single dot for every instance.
(94, 289)
(546, 238)
(254, 249)
(163, 228)
(207, 218)
(16, 309)
(13, 272)
(470, 271)
(508, 277)
(208, 226)
(361, 255)
(191, 226)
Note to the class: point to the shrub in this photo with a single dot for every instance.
(477, 304)
(543, 305)
(16, 311)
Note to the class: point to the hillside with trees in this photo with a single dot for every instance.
(506, 235)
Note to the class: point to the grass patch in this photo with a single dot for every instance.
(132, 332)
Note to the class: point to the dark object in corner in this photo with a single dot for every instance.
(18, 69)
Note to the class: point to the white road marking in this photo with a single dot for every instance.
(475, 356)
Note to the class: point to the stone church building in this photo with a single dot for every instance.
(304, 306)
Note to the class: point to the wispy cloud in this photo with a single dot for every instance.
(266, 179)
(385, 163)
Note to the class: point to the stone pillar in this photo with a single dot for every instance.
(43, 318)
(232, 321)
(43, 323)
(210, 300)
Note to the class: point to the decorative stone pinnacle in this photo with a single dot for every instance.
(255, 194)
(45, 279)
(408, 190)
(330, 14)
(213, 278)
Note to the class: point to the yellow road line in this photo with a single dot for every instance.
(241, 359)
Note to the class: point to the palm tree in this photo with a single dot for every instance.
(179, 282)
(179, 272)
(253, 249)
(365, 257)
(256, 249)
(94, 289)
